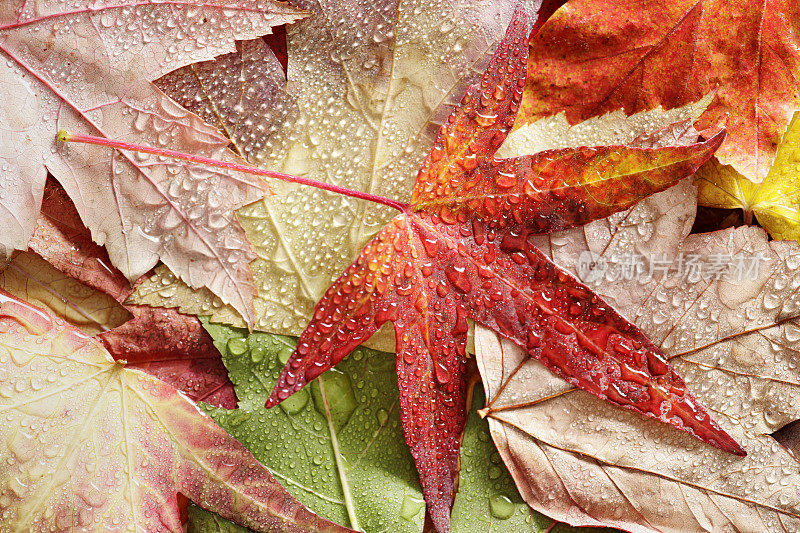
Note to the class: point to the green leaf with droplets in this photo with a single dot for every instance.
(487, 499)
(337, 446)
(361, 397)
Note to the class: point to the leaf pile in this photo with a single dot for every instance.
(333, 445)
(66, 65)
(429, 272)
(367, 87)
(370, 89)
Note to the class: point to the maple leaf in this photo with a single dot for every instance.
(592, 57)
(173, 347)
(460, 250)
(734, 340)
(775, 202)
(90, 444)
(87, 68)
(368, 85)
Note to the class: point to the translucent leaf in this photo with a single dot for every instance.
(90, 444)
(87, 69)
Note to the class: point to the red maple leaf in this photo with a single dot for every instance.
(460, 250)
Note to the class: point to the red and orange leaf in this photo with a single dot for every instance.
(171, 346)
(592, 57)
(551, 190)
(560, 189)
(443, 261)
(479, 124)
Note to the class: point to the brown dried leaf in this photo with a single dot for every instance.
(735, 343)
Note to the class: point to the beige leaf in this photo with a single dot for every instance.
(33, 279)
(371, 81)
(85, 69)
(91, 445)
(736, 343)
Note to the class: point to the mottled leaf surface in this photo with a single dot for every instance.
(78, 283)
(733, 341)
(91, 444)
(86, 69)
(592, 57)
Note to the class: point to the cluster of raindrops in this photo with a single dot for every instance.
(181, 210)
(243, 95)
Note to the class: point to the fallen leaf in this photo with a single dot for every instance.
(90, 444)
(338, 445)
(368, 86)
(337, 478)
(582, 462)
(174, 348)
(592, 57)
(460, 250)
(775, 202)
(87, 69)
(85, 289)
(61, 238)
(29, 277)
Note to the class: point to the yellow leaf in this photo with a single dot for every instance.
(775, 202)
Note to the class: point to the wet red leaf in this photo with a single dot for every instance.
(460, 250)
(174, 348)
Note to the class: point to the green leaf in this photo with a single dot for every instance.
(337, 446)
(487, 498)
(366, 470)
